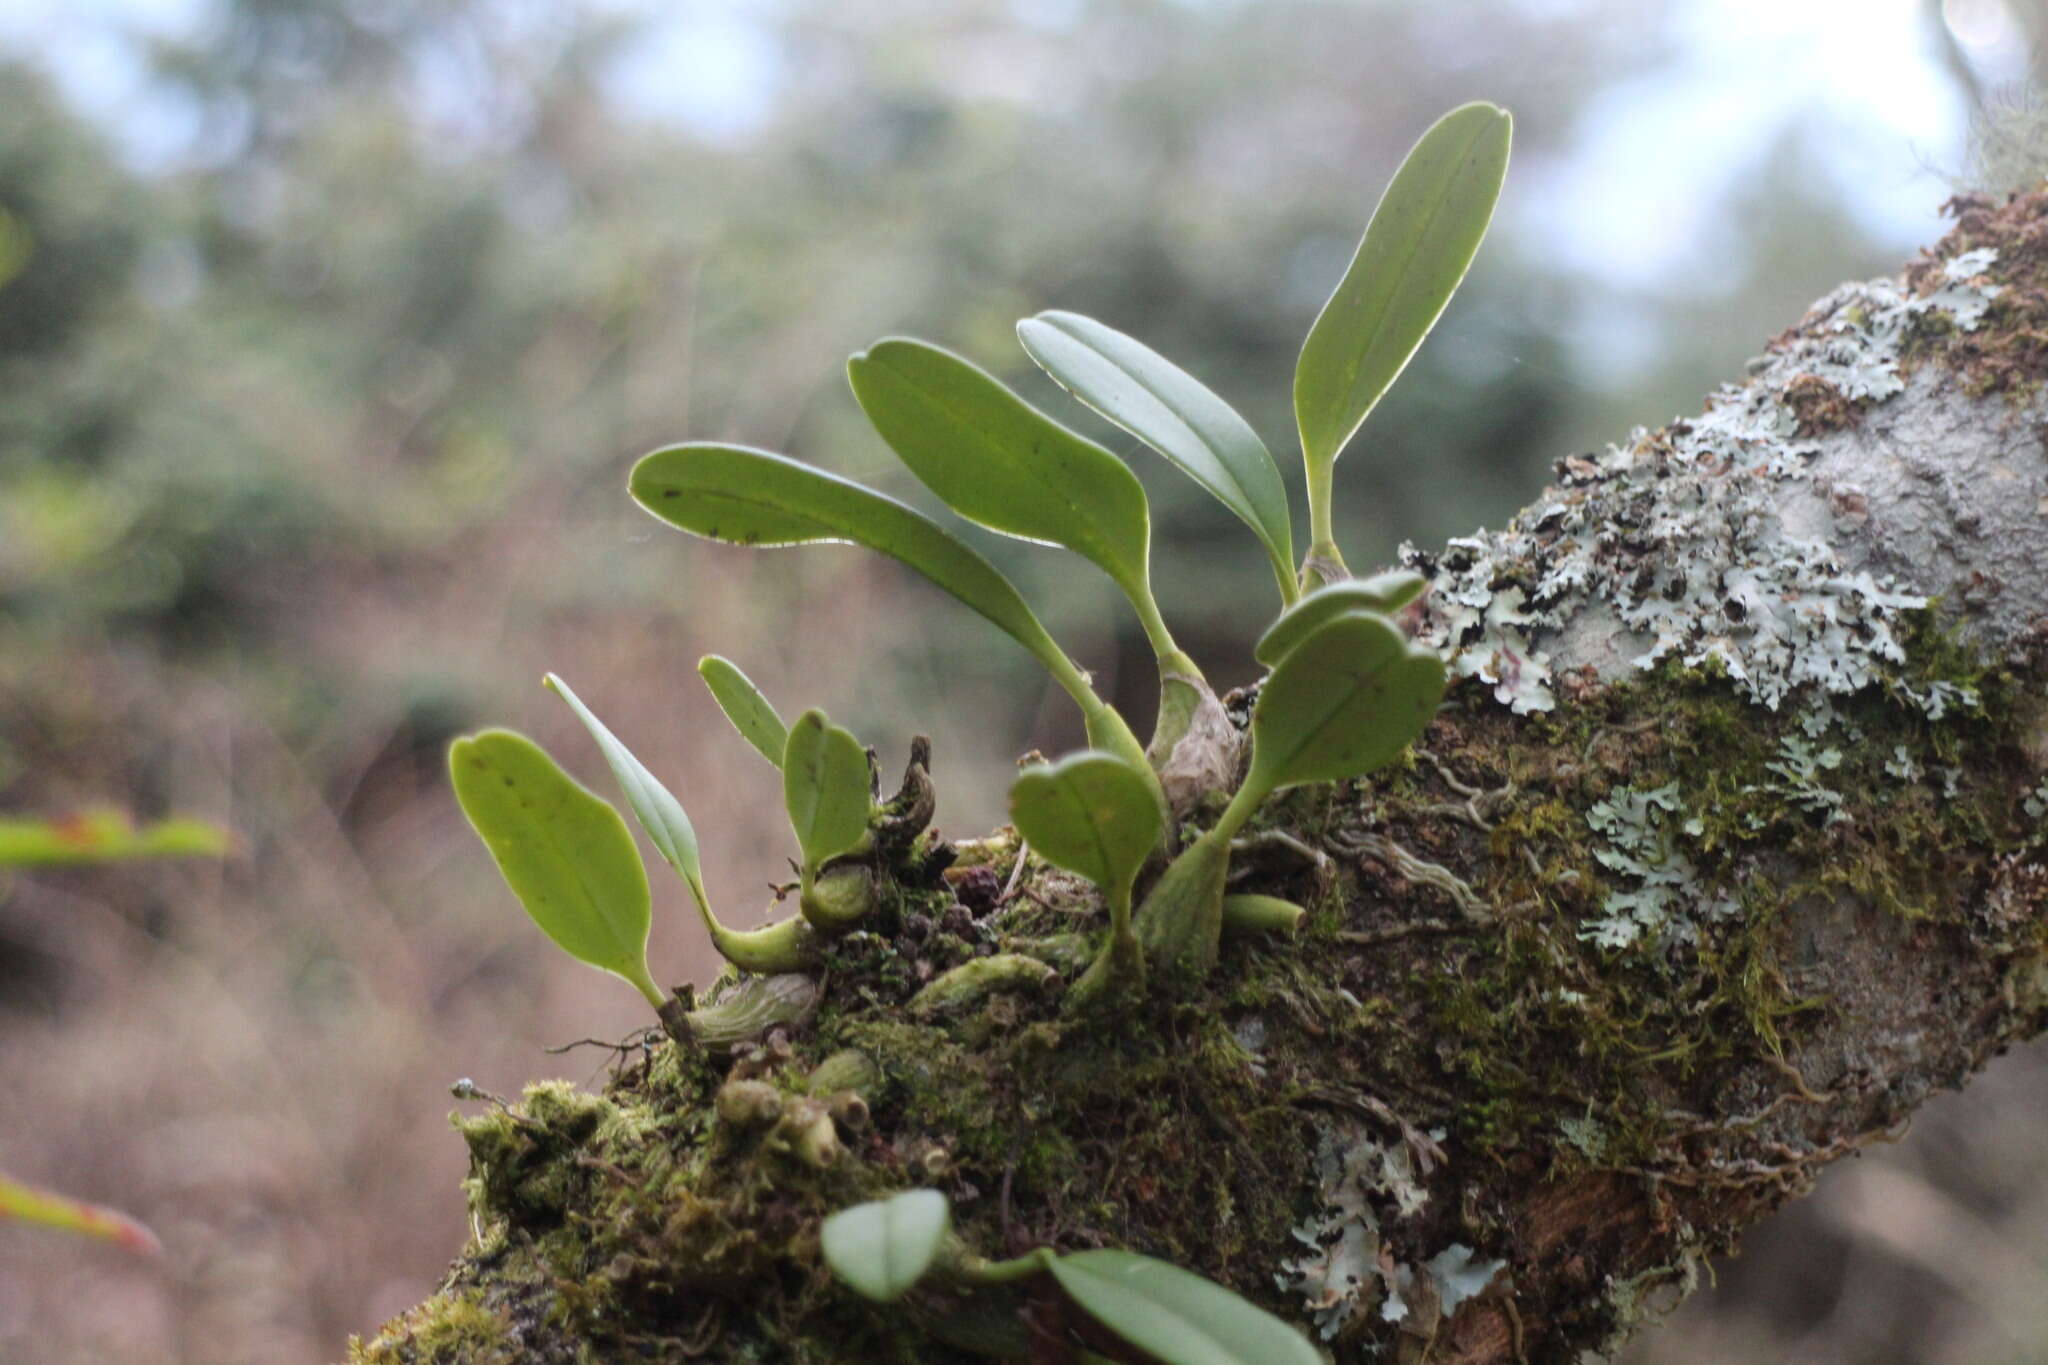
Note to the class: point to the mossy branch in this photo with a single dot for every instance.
(1722, 855)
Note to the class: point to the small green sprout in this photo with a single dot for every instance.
(1411, 260)
(564, 851)
(1344, 702)
(1174, 1316)
(826, 787)
(658, 811)
(1092, 813)
(1175, 414)
(749, 711)
(776, 948)
(1384, 593)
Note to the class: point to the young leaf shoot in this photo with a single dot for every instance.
(825, 789)
(1411, 260)
(656, 808)
(565, 852)
(1343, 702)
(1385, 593)
(778, 947)
(1093, 814)
(881, 1249)
(1174, 413)
(749, 711)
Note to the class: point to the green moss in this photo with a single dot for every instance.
(446, 1329)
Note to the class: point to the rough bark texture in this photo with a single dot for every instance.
(1722, 856)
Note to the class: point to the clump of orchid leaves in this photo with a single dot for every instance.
(1347, 691)
(1346, 694)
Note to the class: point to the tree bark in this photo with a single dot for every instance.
(1722, 856)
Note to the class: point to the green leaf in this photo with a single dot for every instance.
(1091, 813)
(102, 834)
(1385, 593)
(1415, 252)
(26, 1204)
(750, 497)
(1343, 702)
(743, 704)
(881, 1249)
(999, 462)
(565, 853)
(825, 787)
(1174, 1315)
(1174, 413)
(659, 813)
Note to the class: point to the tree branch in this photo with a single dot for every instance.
(1721, 858)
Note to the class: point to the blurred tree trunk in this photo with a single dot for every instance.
(1722, 856)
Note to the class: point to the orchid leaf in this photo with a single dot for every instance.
(1385, 593)
(1411, 260)
(881, 1249)
(1091, 813)
(1175, 1316)
(750, 497)
(825, 779)
(749, 711)
(566, 853)
(1174, 413)
(1001, 463)
(658, 811)
(1343, 702)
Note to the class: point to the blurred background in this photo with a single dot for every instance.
(329, 329)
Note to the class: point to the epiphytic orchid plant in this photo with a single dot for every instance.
(1346, 694)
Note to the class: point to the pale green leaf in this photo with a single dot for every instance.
(750, 497)
(26, 1204)
(103, 834)
(565, 853)
(999, 462)
(1174, 413)
(1415, 252)
(825, 788)
(1343, 702)
(658, 811)
(1385, 593)
(881, 1249)
(1092, 813)
(749, 711)
(1175, 1316)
